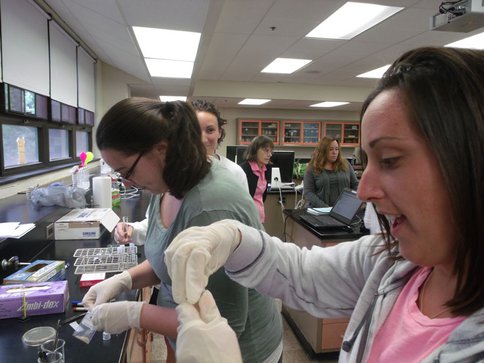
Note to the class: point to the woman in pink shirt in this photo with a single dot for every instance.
(414, 293)
(258, 170)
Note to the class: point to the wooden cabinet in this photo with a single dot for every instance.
(322, 335)
(274, 223)
(138, 348)
(248, 129)
(298, 133)
(347, 133)
(301, 132)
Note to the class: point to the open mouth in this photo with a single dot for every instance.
(395, 222)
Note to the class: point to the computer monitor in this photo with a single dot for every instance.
(236, 153)
(284, 160)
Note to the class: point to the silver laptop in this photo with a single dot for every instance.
(340, 216)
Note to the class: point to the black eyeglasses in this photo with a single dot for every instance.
(130, 171)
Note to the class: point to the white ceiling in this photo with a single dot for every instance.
(240, 37)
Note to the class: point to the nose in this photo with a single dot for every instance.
(369, 188)
(204, 137)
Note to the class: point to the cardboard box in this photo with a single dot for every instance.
(87, 223)
(38, 271)
(91, 279)
(22, 300)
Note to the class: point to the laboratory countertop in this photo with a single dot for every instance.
(358, 230)
(33, 246)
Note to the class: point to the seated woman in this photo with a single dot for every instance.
(258, 170)
(327, 174)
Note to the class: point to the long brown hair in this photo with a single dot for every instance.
(320, 155)
(134, 125)
(441, 89)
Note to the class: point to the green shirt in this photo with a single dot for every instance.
(254, 317)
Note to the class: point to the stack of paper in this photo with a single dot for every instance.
(14, 229)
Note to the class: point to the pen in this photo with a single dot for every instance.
(78, 308)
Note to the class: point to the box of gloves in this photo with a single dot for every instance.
(86, 223)
(36, 298)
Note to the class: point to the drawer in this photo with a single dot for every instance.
(332, 336)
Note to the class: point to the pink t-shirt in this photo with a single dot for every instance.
(407, 335)
(260, 189)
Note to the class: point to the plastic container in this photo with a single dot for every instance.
(39, 335)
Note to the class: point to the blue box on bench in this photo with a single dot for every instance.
(38, 271)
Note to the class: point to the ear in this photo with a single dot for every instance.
(161, 147)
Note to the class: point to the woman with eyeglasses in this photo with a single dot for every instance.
(257, 168)
(158, 146)
(213, 133)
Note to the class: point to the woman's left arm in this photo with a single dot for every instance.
(159, 319)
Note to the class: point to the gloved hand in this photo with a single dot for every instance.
(106, 290)
(117, 317)
(205, 337)
(196, 253)
(123, 233)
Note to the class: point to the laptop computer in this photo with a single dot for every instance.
(340, 216)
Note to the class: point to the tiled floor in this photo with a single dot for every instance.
(293, 351)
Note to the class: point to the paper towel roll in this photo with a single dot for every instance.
(101, 191)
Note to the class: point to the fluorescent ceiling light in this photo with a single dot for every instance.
(285, 65)
(253, 101)
(328, 104)
(169, 68)
(167, 44)
(473, 42)
(352, 19)
(376, 73)
(172, 98)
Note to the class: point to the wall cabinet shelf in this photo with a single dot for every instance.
(306, 133)
(248, 129)
(298, 132)
(347, 133)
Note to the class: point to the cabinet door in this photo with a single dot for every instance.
(301, 132)
(292, 132)
(270, 129)
(351, 134)
(347, 133)
(311, 132)
(333, 131)
(248, 129)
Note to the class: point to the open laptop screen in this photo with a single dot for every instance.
(346, 206)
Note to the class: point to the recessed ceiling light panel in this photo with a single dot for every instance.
(285, 65)
(329, 104)
(253, 101)
(169, 68)
(375, 73)
(352, 19)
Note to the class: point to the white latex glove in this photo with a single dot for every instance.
(196, 253)
(108, 289)
(123, 233)
(117, 317)
(205, 337)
